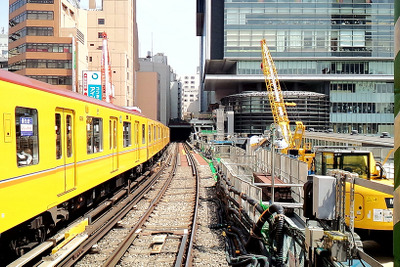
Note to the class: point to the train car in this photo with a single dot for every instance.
(61, 151)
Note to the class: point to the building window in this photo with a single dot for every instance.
(94, 134)
(100, 21)
(26, 130)
(90, 59)
(16, 5)
(31, 31)
(100, 35)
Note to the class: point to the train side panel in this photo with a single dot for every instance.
(74, 146)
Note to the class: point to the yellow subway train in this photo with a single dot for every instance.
(61, 151)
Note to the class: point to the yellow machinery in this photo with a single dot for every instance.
(293, 142)
(373, 210)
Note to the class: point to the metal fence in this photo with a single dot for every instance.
(239, 165)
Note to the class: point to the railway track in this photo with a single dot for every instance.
(71, 243)
(141, 226)
(163, 236)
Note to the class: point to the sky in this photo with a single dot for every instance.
(167, 27)
(4, 15)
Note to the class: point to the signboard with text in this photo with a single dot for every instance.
(92, 84)
(26, 126)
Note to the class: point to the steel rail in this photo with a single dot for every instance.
(105, 223)
(118, 253)
(195, 173)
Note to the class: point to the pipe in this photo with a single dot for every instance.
(265, 216)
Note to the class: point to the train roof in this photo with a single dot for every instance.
(52, 89)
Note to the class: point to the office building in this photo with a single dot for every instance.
(118, 20)
(343, 49)
(190, 95)
(47, 41)
(161, 77)
(3, 49)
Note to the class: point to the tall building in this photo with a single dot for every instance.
(343, 49)
(176, 99)
(190, 95)
(118, 20)
(47, 40)
(158, 65)
(3, 48)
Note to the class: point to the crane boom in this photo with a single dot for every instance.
(294, 143)
(275, 96)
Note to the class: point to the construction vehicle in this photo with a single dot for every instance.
(373, 210)
(292, 143)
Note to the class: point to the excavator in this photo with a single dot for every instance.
(292, 144)
(373, 209)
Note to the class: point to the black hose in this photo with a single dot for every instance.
(241, 248)
(265, 217)
(279, 240)
(255, 236)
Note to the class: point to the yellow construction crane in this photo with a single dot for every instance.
(293, 142)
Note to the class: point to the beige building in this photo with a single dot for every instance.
(148, 94)
(118, 20)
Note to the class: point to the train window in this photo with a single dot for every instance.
(69, 136)
(136, 132)
(94, 134)
(149, 133)
(155, 133)
(127, 134)
(58, 136)
(26, 130)
(143, 134)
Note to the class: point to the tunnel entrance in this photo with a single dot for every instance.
(180, 132)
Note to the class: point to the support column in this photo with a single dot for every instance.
(396, 215)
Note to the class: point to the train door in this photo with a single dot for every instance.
(65, 145)
(114, 143)
(136, 141)
(149, 143)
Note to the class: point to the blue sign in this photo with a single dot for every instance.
(94, 91)
(26, 126)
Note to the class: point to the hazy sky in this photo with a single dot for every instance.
(167, 27)
(4, 14)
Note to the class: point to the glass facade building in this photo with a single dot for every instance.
(253, 111)
(342, 48)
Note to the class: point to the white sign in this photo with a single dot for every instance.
(92, 84)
